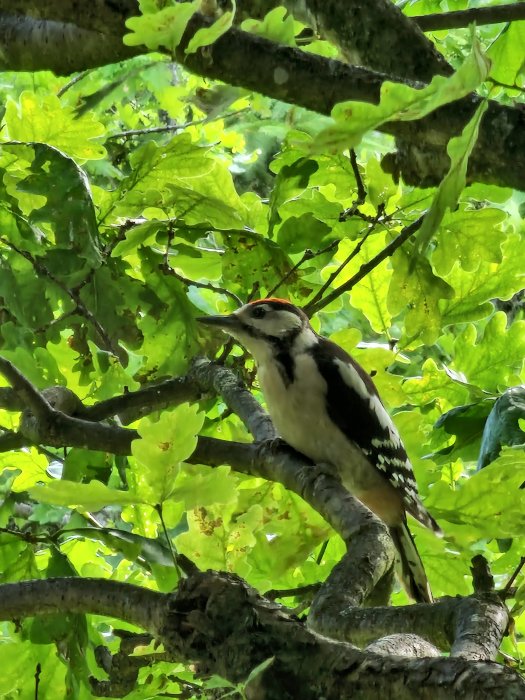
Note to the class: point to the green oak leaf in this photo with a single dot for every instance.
(468, 237)
(163, 445)
(495, 491)
(38, 118)
(496, 358)
(163, 28)
(417, 290)
(208, 35)
(401, 103)
(473, 292)
(459, 149)
(92, 496)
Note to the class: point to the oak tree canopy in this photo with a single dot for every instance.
(161, 160)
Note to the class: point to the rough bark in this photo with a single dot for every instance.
(303, 79)
(223, 626)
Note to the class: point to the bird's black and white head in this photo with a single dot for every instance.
(266, 326)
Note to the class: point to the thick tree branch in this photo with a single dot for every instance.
(227, 384)
(363, 30)
(135, 404)
(403, 645)
(26, 392)
(318, 84)
(9, 400)
(63, 45)
(139, 606)
(219, 623)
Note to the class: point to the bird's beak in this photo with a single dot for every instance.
(226, 323)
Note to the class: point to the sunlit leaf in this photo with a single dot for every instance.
(92, 496)
(400, 102)
(163, 445)
(208, 35)
(162, 28)
(459, 149)
(36, 118)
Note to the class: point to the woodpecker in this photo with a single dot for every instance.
(325, 405)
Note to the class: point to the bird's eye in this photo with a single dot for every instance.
(258, 312)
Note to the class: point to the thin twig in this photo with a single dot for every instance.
(307, 255)
(160, 513)
(365, 268)
(361, 190)
(38, 671)
(47, 326)
(172, 127)
(171, 235)
(274, 593)
(76, 79)
(318, 295)
(505, 592)
(155, 129)
(319, 557)
(201, 285)
(73, 294)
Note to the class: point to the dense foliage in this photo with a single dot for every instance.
(137, 197)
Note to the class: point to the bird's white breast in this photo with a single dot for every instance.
(299, 413)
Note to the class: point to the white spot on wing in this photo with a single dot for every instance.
(380, 411)
(351, 378)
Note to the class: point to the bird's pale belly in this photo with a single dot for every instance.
(299, 415)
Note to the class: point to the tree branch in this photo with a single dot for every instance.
(26, 392)
(463, 18)
(222, 625)
(363, 30)
(135, 404)
(227, 384)
(316, 305)
(366, 568)
(318, 84)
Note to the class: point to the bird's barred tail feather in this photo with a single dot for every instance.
(410, 567)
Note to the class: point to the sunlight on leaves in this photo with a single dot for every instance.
(163, 445)
(164, 27)
(450, 188)
(401, 103)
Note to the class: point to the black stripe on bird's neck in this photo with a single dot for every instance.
(284, 356)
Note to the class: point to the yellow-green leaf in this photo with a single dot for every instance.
(208, 35)
(163, 28)
(163, 445)
(43, 118)
(452, 185)
(401, 103)
(92, 496)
